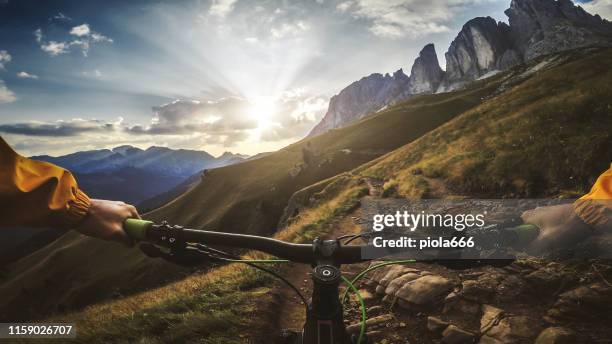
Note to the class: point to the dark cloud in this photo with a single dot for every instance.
(57, 129)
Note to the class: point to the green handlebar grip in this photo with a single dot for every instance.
(526, 233)
(137, 228)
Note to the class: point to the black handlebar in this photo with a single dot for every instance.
(176, 236)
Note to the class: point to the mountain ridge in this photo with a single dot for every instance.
(134, 175)
(482, 47)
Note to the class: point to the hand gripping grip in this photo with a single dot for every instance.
(137, 228)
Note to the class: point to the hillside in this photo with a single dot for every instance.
(548, 134)
(249, 197)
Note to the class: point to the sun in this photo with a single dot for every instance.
(262, 110)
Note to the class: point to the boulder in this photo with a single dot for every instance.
(490, 317)
(436, 325)
(425, 290)
(557, 335)
(514, 329)
(456, 335)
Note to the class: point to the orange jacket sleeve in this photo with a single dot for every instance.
(38, 194)
(595, 208)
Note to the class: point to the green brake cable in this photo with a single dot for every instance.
(258, 261)
(363, 308)
(364, 272)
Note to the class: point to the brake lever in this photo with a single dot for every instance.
(187, 257)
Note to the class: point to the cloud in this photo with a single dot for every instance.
(85, 38)
(60, 17)
(6, 95)
(221, 8)
(400, 18)
(223, 122)
(601, 7)
(81, 30)
(58, 129)
(26, 75)
(289, 29)
(295, 115)
(94, 73)
(5, 57)
(54, 48)
(38, 35)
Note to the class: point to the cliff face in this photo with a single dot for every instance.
(483, 46)
(362, 97)
(541, 27)
(377, 91)
(426, 74)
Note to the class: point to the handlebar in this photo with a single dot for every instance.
(141, 230)
(176, 236)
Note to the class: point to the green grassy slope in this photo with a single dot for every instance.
(549, 136)
(248, 198)
(565, 112)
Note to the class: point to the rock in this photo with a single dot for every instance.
(426, 74)
(372, 322)
(476, 291)
(490, 317)
(513, 329)
(583, 302)
(399, 282)
(546, 278)
(456, 335)
(426, 290)
(557, 335)
(436, 325)
(363, 97)
(481, 46)
(376, 92)
(541, 27)
(394, 272)
(375, 310)
(461, 308)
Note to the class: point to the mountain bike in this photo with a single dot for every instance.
(324, 311)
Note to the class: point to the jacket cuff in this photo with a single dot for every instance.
(595, 213)
(76, 209)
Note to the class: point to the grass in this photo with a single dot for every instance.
(549, 136)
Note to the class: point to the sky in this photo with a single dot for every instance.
(221, 75)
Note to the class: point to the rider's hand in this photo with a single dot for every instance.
(105, 221)
(559, 225)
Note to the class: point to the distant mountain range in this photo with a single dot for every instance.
(133, 175)
(482, 48)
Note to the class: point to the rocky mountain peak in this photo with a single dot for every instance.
(369, 94)
(426, 73)
(482, 45)
(542, 27)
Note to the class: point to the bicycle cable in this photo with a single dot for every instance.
(251, 262)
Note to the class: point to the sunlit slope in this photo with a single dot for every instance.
(549, 136)
(75, 271)
(250, 197)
